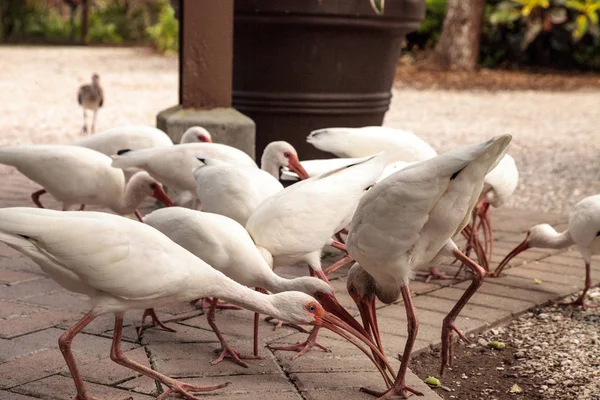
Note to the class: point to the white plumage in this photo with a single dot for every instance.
(583, 231)
(399, 145)
(196, 134)
(125, 137)
(121, 264)
(173, 166)
(407, 221)
(77, 175)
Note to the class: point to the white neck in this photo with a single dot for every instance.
(269, 164)
(554, 240)
(221, 287)
(276, 284)
(129, 200)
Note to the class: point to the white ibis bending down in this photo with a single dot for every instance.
(76, 175)
(125, 137)
(194, 134)
(173, 166)
(294, 225)
(121, 265)
(406, 221)
(226, 246)
(236, 191)
(399, 145)
(583, 231)
(90, 97)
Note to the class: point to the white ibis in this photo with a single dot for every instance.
(125, 137)
(194, 134)
(226, 246)
(90, 97)
(399, 145)
(236, 191)
(122, 265)
(173, 166)
(294, 225)
(583, 231)
(406, 221)
(77, 175)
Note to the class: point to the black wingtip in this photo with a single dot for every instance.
(454, 175)
(24, 236)
(598, 233)
(123, 151)
(202, 160)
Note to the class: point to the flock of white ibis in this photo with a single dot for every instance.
(392, 205)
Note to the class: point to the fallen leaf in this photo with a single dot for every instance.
(515, 389)
(433, 381)
(537, 281)
(497, 345)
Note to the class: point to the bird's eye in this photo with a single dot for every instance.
(318, 295)
(352, 289)
(153, 185)
(287, 154)
(311, 308)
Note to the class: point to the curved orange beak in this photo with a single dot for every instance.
(160, 195)
(368, 314)
(294, 165)
(331, 304)
(524, 245)
(336, 325)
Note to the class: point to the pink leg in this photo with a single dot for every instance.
(82, 207)
(155, 321)
(226, 350)
(580, 301)
(64, 343)
(35, 196)
(448, 325)
(280, 323)
(339, 264)
(303, 347)
(175, 386)
(400, 387)
(221, 305)
(138, 216)
(434, 273)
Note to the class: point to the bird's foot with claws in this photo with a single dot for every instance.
(579, 302)
(186, 390)
(228, 352)
(280, 323)
(401, 391)
(434, 273)
(301, 347)
(155, 321)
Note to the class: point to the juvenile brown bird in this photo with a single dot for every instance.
(90, 97)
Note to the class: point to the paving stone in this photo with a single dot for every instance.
(62, 301)
(104, 324)
(489, 315)
(30, 367)
(20, 325)
(60, 387)
(267, 384)
(8, 277)
(6, 251)
(490, 287)
(107, 372)
(10, 309)
(524, 272)
(240, 328)
(4, 395)
(528, 283)
(572, 272)
(194, 359)
(515, 306)
(29, 289)
(184, 334)
(21, 263)
(346, 386)
(27, 344)
(563, 260)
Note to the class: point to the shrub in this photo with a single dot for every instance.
(431, 27)
(165, 33)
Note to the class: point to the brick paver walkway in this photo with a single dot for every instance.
(34, 311)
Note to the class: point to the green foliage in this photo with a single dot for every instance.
(165, 33)
(34, 20)
(434, 19)
(100, 31)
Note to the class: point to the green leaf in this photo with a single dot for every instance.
(593, 17)
(378, 6)
(581, 27)
(433, 381)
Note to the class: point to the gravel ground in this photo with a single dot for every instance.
(555, 142)
(560, 347)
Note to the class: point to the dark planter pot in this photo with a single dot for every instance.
(301, 65)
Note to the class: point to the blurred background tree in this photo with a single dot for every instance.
(136, 22)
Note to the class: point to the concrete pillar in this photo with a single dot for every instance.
(205, 76)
